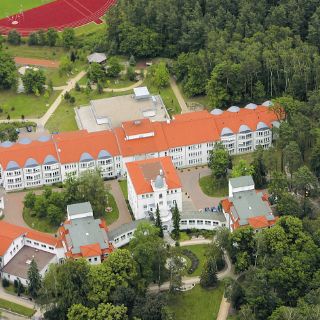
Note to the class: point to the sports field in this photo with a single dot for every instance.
(10, 7)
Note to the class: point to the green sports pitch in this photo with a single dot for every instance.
(10, 7)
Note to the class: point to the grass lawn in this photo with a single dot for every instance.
(195, 101)
(124, 188)
(167, 95)
(112, 216)
(64, 117)
(211, 188)
(196, 304)
(37, 52)
(9, 7)
(14, 307)
(30, 106)
(248, 157)
(184, 236)
(42, 224)
(199, 250)
(90, 28)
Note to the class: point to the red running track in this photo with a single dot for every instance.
(59, 14)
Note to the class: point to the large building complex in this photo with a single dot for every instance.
(187, 140)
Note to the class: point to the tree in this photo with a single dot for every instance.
(160, 75)
(219, 161)
(55, 214)
(96, 73)
(132, 61)
(315, 159)
(14, 37)
(114, 67)
(33, 39)
(131, 73)
(292, 157)
(259, 168)
(176, 222)
(208, 276)
(88, 187)
(8, 71)
(52, 37)
(158, 222)
(149, 252)
(34, 81)
(176, 267)
(288, 205)
(34, 279)
(68, 38)
(29, 200)
(304, 181)
(242, 168)
(65, 65)
(278, 184)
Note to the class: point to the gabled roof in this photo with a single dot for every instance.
(90, 250)
(136, 127)
(9, 232)
(97, 57)
(142, 172)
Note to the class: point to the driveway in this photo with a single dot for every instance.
(13, 208)
(124, 215)
(190, 185)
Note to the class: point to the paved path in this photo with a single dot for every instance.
(124, 215)
(177, 93)
(10, 297)
(10, 316)
(190, 184)
(224, 309)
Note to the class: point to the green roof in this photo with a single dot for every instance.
(241, 181)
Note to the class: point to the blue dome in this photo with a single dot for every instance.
(216, 111)
(44, 138)
(226, 132)
(50, 159)
(86, 157)
(244, 128)
(158, 183)
(31, 163)
(251, 106)
(233, 109)
(268, 103)
(24, 141)
(261, 126)
(12, 165)
(6, 144)
(103, 154)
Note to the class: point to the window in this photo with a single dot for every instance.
(160, 196)
(95, 259)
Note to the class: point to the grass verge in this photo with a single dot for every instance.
(17, 308)
(197, 304)
(40, 224)
(112, 216)
(124, 188)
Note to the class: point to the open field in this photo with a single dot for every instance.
(196, 304)
(10, 7)
(30, 106)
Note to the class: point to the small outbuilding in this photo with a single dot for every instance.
(141, 93)
(97, 57)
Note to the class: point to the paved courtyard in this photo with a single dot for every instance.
(190, 185)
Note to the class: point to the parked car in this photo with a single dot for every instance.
(29, 128)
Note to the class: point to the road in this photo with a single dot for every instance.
(177, 93)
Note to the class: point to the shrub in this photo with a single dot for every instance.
(194, 260)
(5, 283)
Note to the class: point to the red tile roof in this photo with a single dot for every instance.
(135, 127)
(260, 222)
(70, 146)
(140, 180)
(9, 232)
(91, 250)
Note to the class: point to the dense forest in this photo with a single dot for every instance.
(233, 51)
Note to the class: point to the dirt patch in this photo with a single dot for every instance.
(37, 62)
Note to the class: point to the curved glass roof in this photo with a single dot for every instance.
(233, 109)
(44, 138)
(268, 103)
(261, 126)
(103, 154)
(158, 183)
(251, 106)
(49, 159)
(12, 165)
(24, 141)
(244, 128)
(6, 144)
(31, 163)
(226, 132)
(216, 111)
(86, 157)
